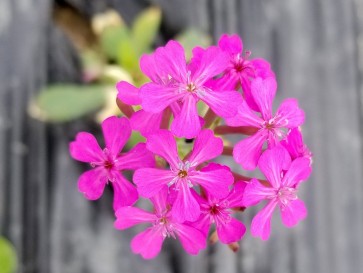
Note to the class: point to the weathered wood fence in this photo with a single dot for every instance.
(316, 49)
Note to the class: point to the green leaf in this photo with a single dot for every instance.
(111, 38)
(191, 38)
(127, 56)
(66, 102)
(8, 259)
(145, 29)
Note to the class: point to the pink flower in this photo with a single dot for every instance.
(241, 70)
(183, 174)
(218, 211)
(187, 86)
(271, 127)
(282, 191)
(108, 163)
(148, 243)
(295, 145)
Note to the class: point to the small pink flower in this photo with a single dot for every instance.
(183, 175)
(241, 70)
(282, 191)
(188, 86)
(271, 127)
(295, 145)
(108, 163)
(149, 242)
(218, 211)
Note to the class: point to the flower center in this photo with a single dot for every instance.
(286, 195)
(182, 173)
(191, 87)
(108, 164)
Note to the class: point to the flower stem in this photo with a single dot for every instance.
(127, 110)
(209, 118)
(244, 130)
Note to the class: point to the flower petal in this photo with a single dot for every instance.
(92, 183)
(155, 97)
(185, 207)
(230, 232)
(137, 157)
(235, 197)
(147, 243)
(231, 43)
(191, 239)
(206, 147)
(263, 91)
(146, 122)
(293, 213)
(116, 132)
(223, 103)
(271, 164)
(289, 114)
(85, 148)
(124, 193)
(150, 68)
(187, 123)
(128, 93)
(248, 151)
(150, 181)
(262, 68)
(299, 171)
(163, 144)
(215, 179)
(160, 201)
(255, 192)
(245, 117)
(130, 216)
(261, 223)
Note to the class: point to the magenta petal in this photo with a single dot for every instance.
(271, 164)
(116, 132)
(248, 151)
(261, 223)
(235, 197)
(231, 43)
(137, 157)
(215, 179)
(206, 147)
(124, 193)
(230, 232)
(163, 144)
(185, 207)
(262, 68)
(293, 213)
(245, 117)
(145, 122)
(299, 170)
(187, 123)
(223, 103)
(156, 97)
(92, 183)
(263, 91)
(191, 239)
(203, 223)
(255, 192)
(147, 243)
(128, 93)
(150, 181)
(160, 201)
(131, 216)
(295, 145)
(289, 114)
(85, 148)
(150, 68)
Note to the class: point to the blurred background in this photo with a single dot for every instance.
(59, 61)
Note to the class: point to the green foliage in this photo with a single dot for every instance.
(66, 102)
(111, 37)
(8, 259)
(191, 38)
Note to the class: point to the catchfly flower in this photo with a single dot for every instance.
(184, 174)
(184, 111)
(163, 225)
(108, 163)
(281, 192)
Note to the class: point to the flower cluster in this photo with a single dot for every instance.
(220, 91)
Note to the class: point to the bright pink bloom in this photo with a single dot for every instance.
(108, 163)
(295, 145)
(282, 193)
(187, 87)
(218, 211)
(241, 70)
(148, 243)
(183, 174)
(271, 127)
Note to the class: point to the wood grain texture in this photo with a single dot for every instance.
(315, 47)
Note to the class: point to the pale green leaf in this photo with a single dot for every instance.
(8, 259)
(191, 38)
(111, 38)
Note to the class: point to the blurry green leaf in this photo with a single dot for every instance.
(191, 38)
(184, 147)
(8, 259)
(111, 37)
(127, 56)
(61, 103)
(135, 138)
(145, 28)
